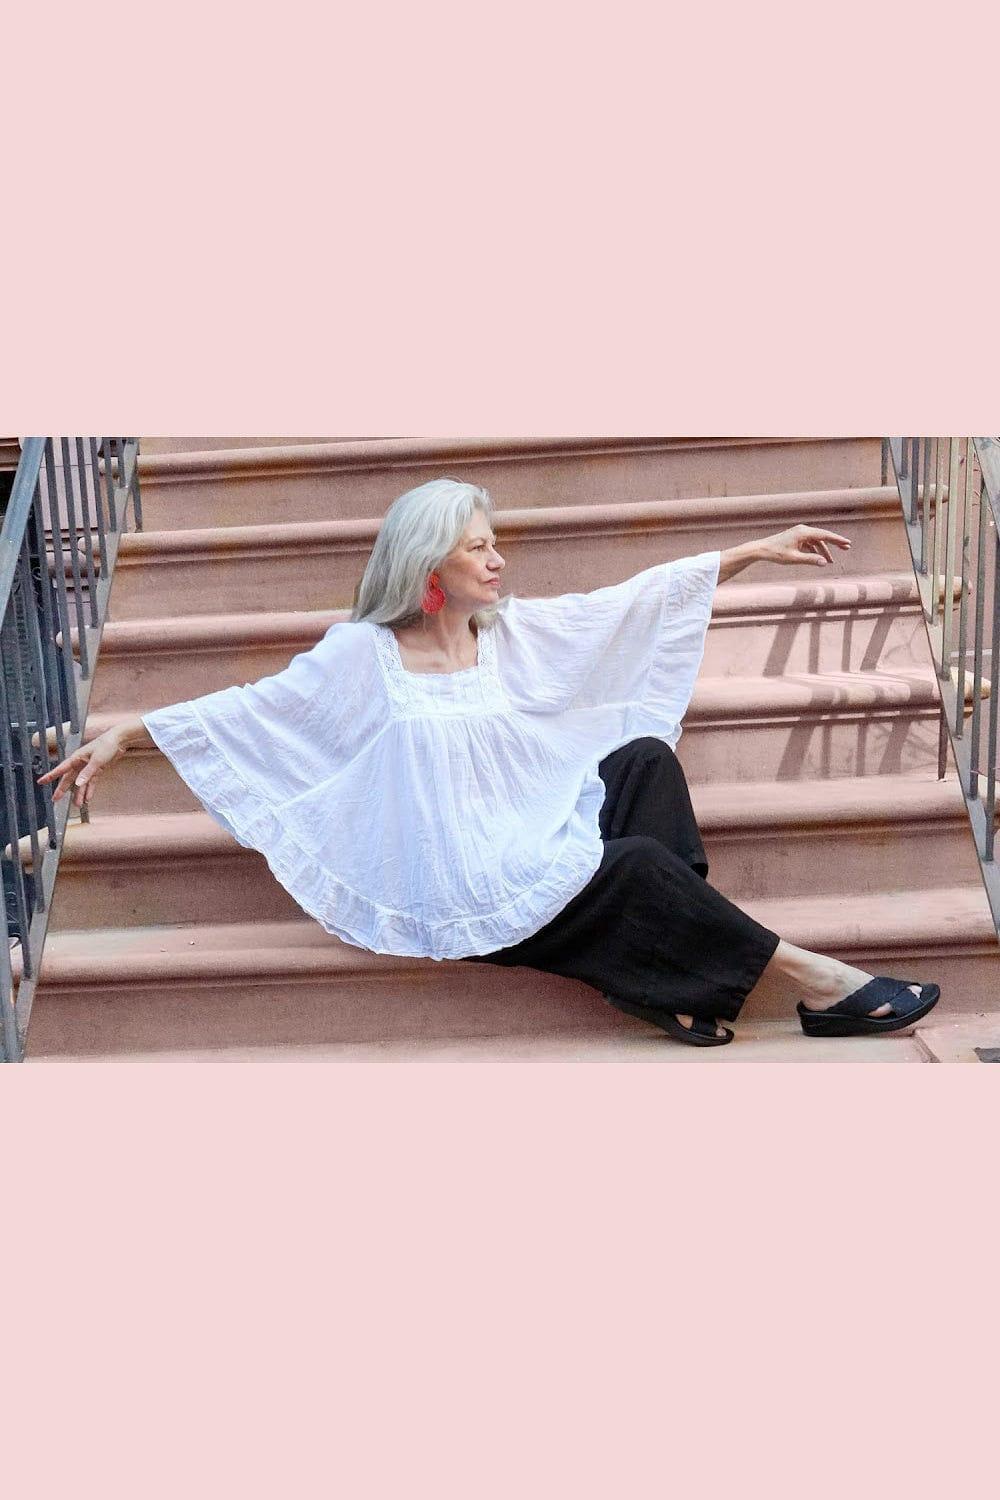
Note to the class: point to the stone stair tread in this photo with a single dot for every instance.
(883, 921)
(954, 1038)
(177, 938)
(890, 798)
(130, 956)
(375, 451)
(816, 692)
(379, 452)
(179, 632)
(757, 1041)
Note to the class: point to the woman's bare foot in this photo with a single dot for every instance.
(688, 1021)
(824, 981)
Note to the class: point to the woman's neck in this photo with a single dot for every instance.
(444, 638)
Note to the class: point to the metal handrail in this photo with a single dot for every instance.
(83, 486)
(949, 489)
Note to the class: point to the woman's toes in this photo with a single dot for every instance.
(688, 1021)
(885, 1010)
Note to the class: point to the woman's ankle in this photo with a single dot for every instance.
(819, 980)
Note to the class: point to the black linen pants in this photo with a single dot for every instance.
(648, 930)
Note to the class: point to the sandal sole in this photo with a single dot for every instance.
(671, 1026)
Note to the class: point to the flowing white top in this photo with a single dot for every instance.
(446, 814)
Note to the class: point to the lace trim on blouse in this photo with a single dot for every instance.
(476, 688)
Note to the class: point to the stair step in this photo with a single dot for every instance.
(801, 727)
(191, 445)
(954, 1039)
(760, 1041)
(275, 983)
(813, 726)
(316, 481)
(810, 747)
(762, 840)
(845, 624)
(317, 564)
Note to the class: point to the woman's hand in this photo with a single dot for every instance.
(84, 766)
(801, 544)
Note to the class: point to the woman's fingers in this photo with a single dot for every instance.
(822, 536)
(83, 766)
(64, 766)
(818, 545)
(67, 770)
(816, 541)
(65, 783)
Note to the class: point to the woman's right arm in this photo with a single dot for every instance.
(88, 761)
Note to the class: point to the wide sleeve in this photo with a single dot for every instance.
(244, 750)
(639, 642)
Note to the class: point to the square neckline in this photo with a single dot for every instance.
(458, 672)
(470, 689)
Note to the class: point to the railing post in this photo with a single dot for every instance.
(40, 683)
(936, 543)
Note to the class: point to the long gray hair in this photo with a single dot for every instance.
(418, 532)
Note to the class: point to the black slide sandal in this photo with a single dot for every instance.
(850, 1017)
(699, 1034)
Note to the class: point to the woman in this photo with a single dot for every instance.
(453, 774)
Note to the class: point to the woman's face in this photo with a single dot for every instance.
(470, 574)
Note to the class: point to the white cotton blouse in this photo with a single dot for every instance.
(446, 814)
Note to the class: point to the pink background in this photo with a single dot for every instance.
(529, 1279)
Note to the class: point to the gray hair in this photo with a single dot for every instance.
(418, 531)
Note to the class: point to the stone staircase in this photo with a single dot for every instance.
(810, 746)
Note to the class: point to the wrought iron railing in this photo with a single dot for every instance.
(61, 529)
(950, 493)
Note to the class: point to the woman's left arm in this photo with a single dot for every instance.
(799, 544)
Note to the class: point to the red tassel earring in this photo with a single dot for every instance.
(434, 596)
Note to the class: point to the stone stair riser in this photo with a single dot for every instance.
(902, 740)
(148, 891)
(277, 1012)
(144, 782)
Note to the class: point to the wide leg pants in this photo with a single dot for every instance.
(648, 930)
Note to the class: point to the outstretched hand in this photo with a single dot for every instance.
(83, 765)
(801, 544)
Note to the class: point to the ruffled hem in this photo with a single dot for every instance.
(341, 911)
